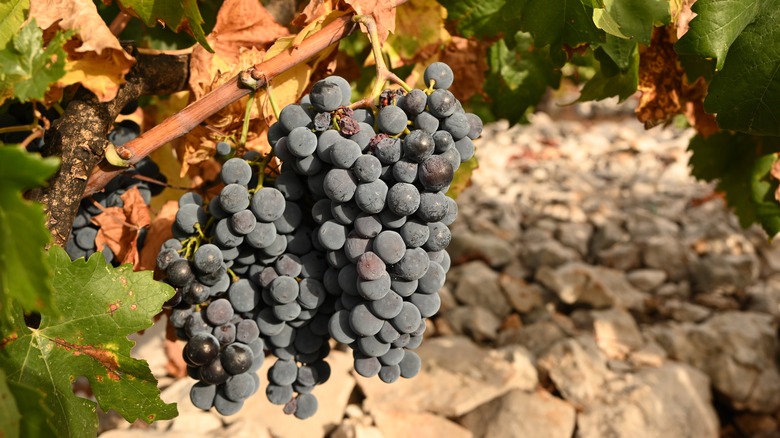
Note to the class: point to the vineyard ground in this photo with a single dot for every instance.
(596, 287)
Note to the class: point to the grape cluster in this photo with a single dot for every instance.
(346, 242)
(81, 242)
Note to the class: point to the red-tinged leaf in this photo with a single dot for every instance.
(119, 227)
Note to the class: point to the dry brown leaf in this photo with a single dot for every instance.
(159, 232)
(95, 57)
(468, 60)
(241, 36)
(383, 12)
(682, 15)
(315, 8)
(241, 25)
(119, 227)
(665, 88)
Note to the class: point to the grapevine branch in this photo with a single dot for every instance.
(79, 135)
(184, 121)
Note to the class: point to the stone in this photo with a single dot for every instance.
(575, 236)
(616, 332)
(724, 273)
(478, 285)
(756, 425)
(737, 350)
(548, 253)
(672, 400)
(522, 296)
(456, 376)
(644, 225)
(594, 286)
(521, 414)
(646, 280)
(522, 360)
(606, 235)
(649, 355)
(683, 311)
(536, 337)
(475, 322)
(622, 256)
(764, 296)
(578, 369)
(668, 254)
(355, 429)
(495, 251)
(422, 424)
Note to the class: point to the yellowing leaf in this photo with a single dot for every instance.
(97, 60)
(419, 29)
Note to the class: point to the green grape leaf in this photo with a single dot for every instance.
(560, 23)
(100, 306)
(517, 79)
(13, 12)
(177, 15)
(27, 68)
(633, 18)
(717, 25)
(485, 18)
(745, 94)
(10, 418)
(741, 164)
(618, 73)
(24, 275)
(35, 414)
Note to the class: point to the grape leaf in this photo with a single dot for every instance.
(96, 59)
(419, 24)
(100, 306)
(741, 163)
(717, 25)
(29, 401)
(24, 275)
(518, 78)
(177, 15)
(560, 23)
(613, 78)
(485, 18)
(9, 412)
(13, 12)
(634, 18)
(27, 68)
(745, 94)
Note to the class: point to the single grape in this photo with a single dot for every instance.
(202, 348)
(412, 266)
(392, 120)
(440, 73)
(326, 96)
(301, 142)
(418, 145)
(268, 204)
(236, 171)
(436, 173)
(236, 358)
(403, 199)
(441, 103)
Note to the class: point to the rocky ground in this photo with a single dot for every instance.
(597, 290)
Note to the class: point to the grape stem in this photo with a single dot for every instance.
(269, 93)
(383, 74)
